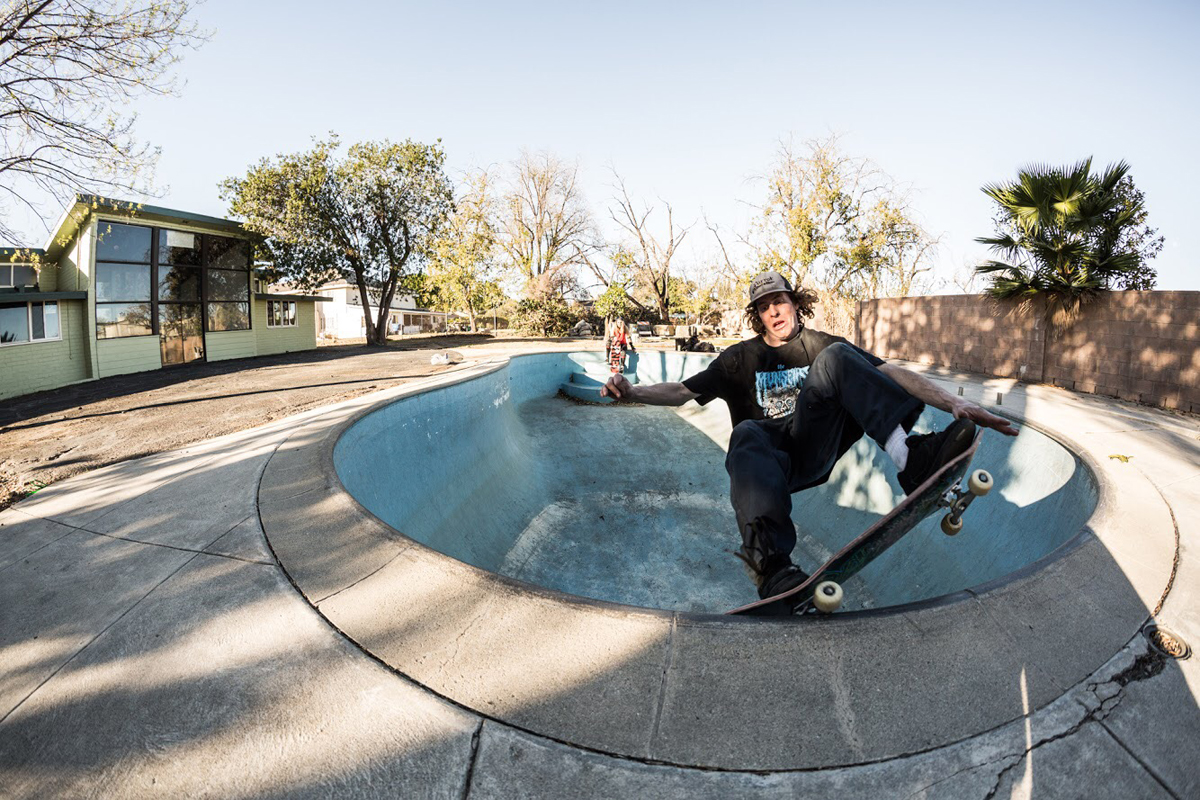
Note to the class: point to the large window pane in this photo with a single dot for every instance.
(228, 316)
(14, 323)
(178, 284)
(122, 319)
(129, 282)
(178, 247)
(51, 314)
(224, 284)
(116, 242)
(228, 253)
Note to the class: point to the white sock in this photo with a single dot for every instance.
(897, 448)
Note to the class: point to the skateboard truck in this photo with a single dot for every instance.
(957, 499)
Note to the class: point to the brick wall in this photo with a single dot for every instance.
(1142, 346)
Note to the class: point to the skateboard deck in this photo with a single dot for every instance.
(940, 490)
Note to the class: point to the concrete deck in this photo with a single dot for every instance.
(154, 639)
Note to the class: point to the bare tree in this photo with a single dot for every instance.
(651, 255)
(839, 223)
(546, 231)
(66, 69)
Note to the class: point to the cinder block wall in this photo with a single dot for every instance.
(1142, 346)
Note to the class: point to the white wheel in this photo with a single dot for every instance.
(827, 597)
(980, 483)
(950, 527)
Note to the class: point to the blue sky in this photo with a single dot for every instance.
(688, 101)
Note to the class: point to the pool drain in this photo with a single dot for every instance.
(1167, 642)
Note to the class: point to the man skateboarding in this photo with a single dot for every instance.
(798, 400)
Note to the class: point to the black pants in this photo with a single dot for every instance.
(843, 396)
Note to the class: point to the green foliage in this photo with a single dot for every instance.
(1066, 233)
(463, 266)
(544, 316)
(370, 218)
(841, 225)
(614, 304)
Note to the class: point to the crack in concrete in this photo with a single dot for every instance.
(1109, 693)
(668, 663)
(470, 778)
(479, 614)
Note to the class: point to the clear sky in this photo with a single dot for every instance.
(688, 101)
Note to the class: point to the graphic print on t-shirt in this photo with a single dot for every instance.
(776, 391)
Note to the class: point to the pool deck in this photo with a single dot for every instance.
(152, 643)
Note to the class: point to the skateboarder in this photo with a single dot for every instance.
(799, 399)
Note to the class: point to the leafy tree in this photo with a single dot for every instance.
(464, 263)
(1066, 233)
(370, 218)
(839, 224)
(615, 303)
(68, 70)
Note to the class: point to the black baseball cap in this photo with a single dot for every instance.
(768, 282)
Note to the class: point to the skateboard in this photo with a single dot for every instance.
(822, 592)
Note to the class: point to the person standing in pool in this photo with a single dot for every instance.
(620, 341)
(798, 399)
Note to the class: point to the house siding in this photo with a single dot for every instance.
(37, 366)
(122, 356)
(225, 345)
(303, 336)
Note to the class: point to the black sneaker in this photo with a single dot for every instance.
(929, 452)
(781, 580)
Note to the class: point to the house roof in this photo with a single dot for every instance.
(86, 204)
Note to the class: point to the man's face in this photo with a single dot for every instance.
(778, 315)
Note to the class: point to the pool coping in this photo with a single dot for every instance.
(703, 689)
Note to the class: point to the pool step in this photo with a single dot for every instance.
(585, 385)
(597, 378)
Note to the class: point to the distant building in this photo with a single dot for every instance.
(122, 287)
(342, 317)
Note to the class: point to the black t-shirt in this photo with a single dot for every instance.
(758, 381)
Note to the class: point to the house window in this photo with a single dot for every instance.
(12, 275)
(281, 313)
(151, 278)
(29, 322)
(123, 281)
(227, 283)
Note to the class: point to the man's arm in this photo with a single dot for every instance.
(657, 394)
(929, 392)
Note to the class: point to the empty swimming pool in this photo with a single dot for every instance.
(629, 504)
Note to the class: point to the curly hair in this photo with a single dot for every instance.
(804, 299)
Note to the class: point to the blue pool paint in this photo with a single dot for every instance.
(630, 503)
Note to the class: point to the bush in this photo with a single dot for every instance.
(546, 317)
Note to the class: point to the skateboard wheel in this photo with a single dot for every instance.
(827, 597)
(980, 483)
(950, 525)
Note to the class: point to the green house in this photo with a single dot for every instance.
(123, 287)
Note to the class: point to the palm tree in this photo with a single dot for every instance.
(1059, 234)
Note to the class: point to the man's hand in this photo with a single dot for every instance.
(964, 409)
(618, 387)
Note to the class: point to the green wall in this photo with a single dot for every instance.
(286, 340)
(225, 345)
(131, 354)
(35, 366)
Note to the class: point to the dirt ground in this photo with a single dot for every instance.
(48, 436)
